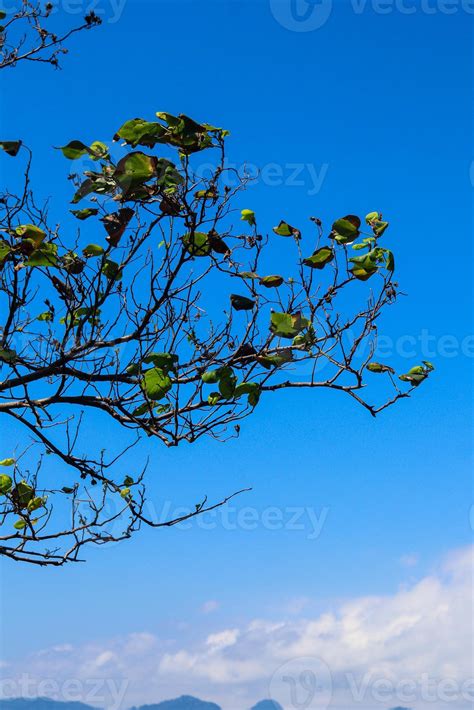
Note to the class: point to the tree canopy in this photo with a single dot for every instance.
(168, 314)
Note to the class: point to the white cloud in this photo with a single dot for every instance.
(409, 560)
(419, 636)
(210, 606)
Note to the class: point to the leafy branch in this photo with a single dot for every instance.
(173, 323)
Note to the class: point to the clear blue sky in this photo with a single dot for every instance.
(381, 100)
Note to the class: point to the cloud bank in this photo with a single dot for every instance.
(411, 649)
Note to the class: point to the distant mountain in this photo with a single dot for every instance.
(40, 704)
(185, 702)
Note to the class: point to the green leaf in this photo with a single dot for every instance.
(241, 303)
(46, 256)
(320, 258)
(362, 274)
(72, 263)
(364, 244)
(248, 216)
(372, 217)
(74, 150)
(133, 369)
(84, 213)
(46, 317)
(36, 503)
(390, 263)
(31, 233)
(277, 360)
(93, 250)
(20, 524)
(416, 375)
(141, 410)
(214, 398)
(156, 384)
(10, 147)
(209, 194)
(125, 492)
(111, 270)
(252, 389)
(254, 398)
(368, 264)
(185, 133)
(5, 250)
(96, 182)
(227, 382)
(286, 230)
(248, 275)
(222, 132)
(197, 243)
(7, 462)
(379, 368)
(6, 484)
(98, 151)
(307, 339)
(168, 176)
(211, 377)
(414, 380)
(8, 356)
(141, 132)
(164, 361)
(128, 481)
(83, 190)
(346, 230)
(23, 494)
(287, 325)
(272, 281)
(379, 228)
(135, 169)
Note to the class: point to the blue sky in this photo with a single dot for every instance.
(379, 106)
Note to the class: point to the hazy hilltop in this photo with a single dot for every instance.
(185, 702)
(41, 704)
